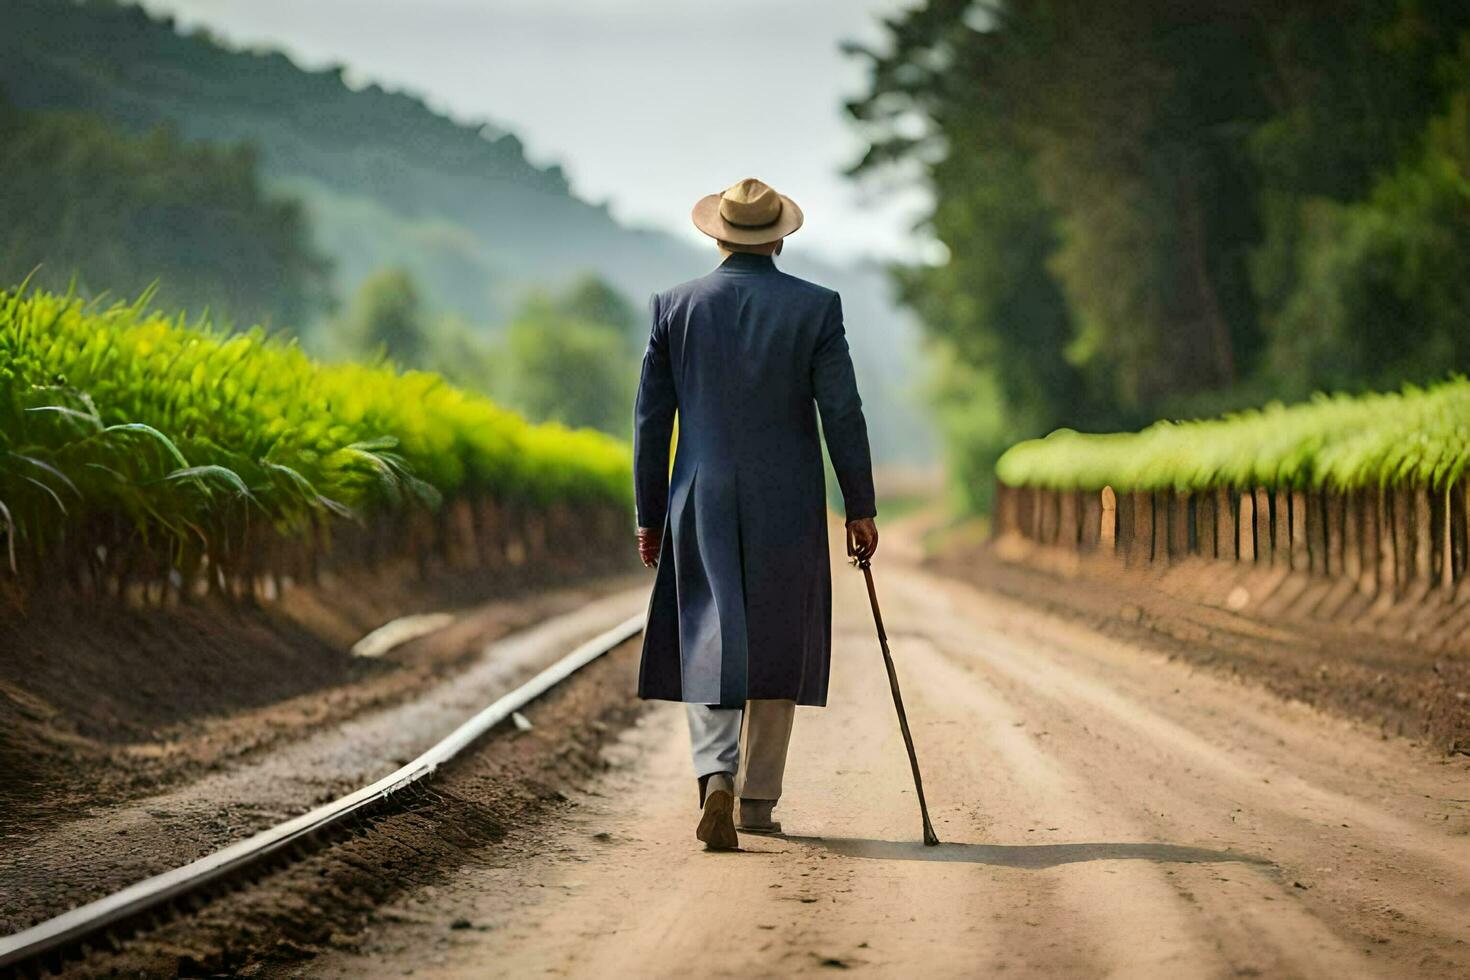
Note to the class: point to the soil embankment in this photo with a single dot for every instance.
(1243, 622)
(40, 875)
(101, 703)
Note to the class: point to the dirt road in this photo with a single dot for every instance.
(1105, 812)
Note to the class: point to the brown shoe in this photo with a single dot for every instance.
(755, 817)
(717, 825)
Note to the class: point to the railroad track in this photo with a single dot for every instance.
(102, 924)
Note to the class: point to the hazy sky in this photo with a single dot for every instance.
(647, 104)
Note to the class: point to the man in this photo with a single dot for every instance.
(739, 624)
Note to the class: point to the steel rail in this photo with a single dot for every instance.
(55, 934)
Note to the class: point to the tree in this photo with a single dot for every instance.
(387, 319)
(1108, 125)
(1362, 267)
(462, 353)
(568, 370)
(88, 204)
(1151, 207)
(592, 299)
(1366, 269)
(565, 357)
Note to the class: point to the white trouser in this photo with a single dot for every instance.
(716, 740)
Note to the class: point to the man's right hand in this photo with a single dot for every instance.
(862, 539)
(649, 541)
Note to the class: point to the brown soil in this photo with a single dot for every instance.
(500, 793)
(1352, 671)
(1106, 810)
(40, 875)
(104, 704)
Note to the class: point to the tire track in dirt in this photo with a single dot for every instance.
(1370, 875)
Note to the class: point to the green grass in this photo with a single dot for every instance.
(1416, 436)
(179, 433)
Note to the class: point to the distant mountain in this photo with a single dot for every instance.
(387, 181)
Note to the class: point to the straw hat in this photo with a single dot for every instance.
(747, 213)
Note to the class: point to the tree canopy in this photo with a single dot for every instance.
(85, 203)
(567, 356)
(1153, 208)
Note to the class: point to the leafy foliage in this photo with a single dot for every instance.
(569, 358)
(185, 433)
(90, 204)
(1365, 269)
(592, 299)
(1419, 436)
(1152, 208)
(387, 318)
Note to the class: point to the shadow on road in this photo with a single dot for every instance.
(1024, 855)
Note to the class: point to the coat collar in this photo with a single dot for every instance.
(747, 262)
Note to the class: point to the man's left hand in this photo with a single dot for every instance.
(649, 541)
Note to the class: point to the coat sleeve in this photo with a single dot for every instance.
(843, 425)
(653, 427)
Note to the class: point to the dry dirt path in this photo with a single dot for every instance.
(1106, 812)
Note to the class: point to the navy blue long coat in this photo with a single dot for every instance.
(742, 603)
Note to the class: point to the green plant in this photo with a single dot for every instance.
(117, 425)
(1417, 435)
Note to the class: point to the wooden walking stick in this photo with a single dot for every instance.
(931, 839)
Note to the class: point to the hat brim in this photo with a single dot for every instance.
(707, 218)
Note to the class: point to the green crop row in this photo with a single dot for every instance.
(176, 432)
(1419, 436)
